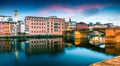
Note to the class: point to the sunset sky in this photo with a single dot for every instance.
(103, 11)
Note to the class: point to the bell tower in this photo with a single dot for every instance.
(15, 16)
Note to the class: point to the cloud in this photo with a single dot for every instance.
(57, 7)
(81, 8)
(78, 8)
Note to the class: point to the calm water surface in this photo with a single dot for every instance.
(50, 52)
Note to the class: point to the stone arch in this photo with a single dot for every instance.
(98, 32)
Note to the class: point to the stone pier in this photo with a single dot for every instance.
(110, 62)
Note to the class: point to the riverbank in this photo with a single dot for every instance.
(110, 62)
(35, 36)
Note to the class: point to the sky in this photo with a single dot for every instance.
(104, 11)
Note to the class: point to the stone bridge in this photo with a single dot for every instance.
(112, 35)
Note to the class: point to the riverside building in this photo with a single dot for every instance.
(44, 25)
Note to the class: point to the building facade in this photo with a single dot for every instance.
(44, 25)
(70, 25)
(109, 25)
(81, 26)
(20, 28)
(7, 26)
(5, 18)
(99, 25)
(90, 26)
(7, 29)
(1, 28)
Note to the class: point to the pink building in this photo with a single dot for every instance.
(44, 25)
(81, 25)
(1, 28)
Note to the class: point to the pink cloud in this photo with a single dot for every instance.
(79, 8)
(56, 7)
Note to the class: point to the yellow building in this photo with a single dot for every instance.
(70, 25)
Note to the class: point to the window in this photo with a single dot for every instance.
(51, 29)
(56, 30)
(51, 22)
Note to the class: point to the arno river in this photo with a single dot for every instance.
(53, 52)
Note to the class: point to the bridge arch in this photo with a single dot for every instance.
(97, 32)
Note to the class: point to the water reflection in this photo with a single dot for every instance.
(42, 46)
(32, 46)
(97, 43)
(97, 40)
(54, 46)
(52, 52)
(5, 45)
(112, 48)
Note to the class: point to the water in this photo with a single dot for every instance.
(50, 52)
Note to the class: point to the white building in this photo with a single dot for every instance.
(70, 25)
(5, 18)
(20, 27)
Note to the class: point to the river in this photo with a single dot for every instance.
(51, 52)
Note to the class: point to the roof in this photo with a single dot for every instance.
(82, 23)
(4, 16)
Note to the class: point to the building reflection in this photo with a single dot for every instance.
(9, 45)
(5, 45)
(112, 48)
(97, 40)
(54, 46)
(43, 46)
(78, 41)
